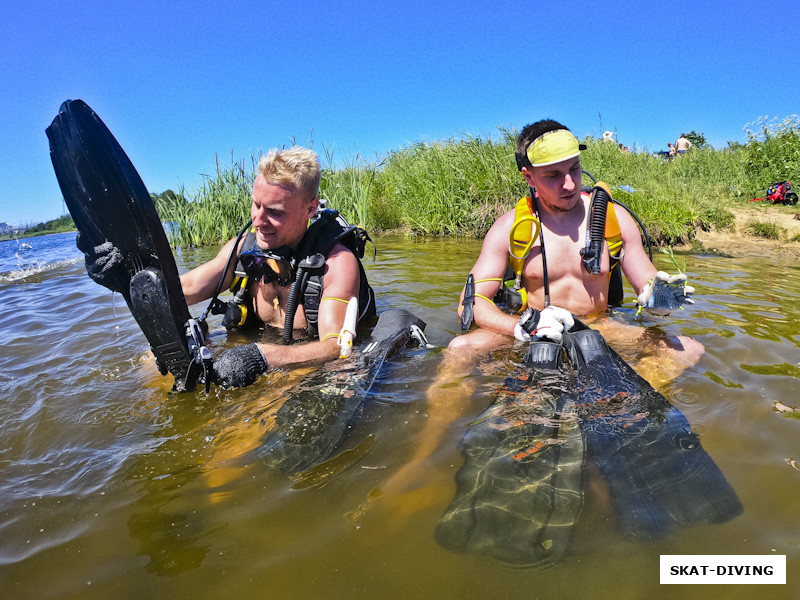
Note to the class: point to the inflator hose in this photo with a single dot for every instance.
(224, 273)
(301, 279)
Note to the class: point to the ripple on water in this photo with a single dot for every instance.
(138, 486)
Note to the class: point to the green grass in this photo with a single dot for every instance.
(459, 186)
(215, 212)
(347, 188)
(767, 230)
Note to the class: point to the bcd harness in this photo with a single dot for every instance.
(602, 225)
(307, 266)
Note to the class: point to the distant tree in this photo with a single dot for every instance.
(698, 140)
(59, 225)
(167, 201)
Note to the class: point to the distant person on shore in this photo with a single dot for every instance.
(671, 152)
(683, 144)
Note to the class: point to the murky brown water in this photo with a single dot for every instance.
(110, 487)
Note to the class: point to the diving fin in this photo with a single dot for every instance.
(149, 304)
(313, 422)
(115, 214)
(658, 474)
(519, 492)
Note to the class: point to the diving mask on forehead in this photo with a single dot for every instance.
(268, 265)
(553, 147)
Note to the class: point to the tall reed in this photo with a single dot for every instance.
(347, 188)
(451, 187)
(216, 211)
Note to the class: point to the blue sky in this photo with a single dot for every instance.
(179, 83)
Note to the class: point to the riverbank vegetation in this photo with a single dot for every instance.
(459, 186)
(59, 225)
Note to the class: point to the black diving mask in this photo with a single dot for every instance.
(268, 265)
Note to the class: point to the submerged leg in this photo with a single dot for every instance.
(315, 420)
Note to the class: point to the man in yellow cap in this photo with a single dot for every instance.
(552, 277)
(549, 278)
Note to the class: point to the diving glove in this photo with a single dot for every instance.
(238, 367)
(665, 293)
(552, 323)
(104, 264)
(548, 324)
(524, 329)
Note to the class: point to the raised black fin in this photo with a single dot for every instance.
(112, 208)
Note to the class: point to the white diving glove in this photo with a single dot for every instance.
(548, 324)
(665, 293)
(552, 323)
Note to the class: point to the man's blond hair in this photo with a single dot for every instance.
(295, 167)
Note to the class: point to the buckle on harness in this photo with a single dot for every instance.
(201, 355)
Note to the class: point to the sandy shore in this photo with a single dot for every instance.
(741, 243)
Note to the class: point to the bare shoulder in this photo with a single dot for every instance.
(501, 228)
(341, 253)
(627, 224)
(341, 277)
(494, 251)
(340, 264)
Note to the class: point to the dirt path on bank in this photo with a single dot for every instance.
(742, 243)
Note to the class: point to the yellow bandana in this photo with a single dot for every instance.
(553, 147)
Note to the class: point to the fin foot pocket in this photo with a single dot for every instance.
(658, 474)
(150, 306)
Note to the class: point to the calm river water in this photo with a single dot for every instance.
(112, 487)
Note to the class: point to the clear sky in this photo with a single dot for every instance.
(179, 83)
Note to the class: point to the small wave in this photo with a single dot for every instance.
(30, 272)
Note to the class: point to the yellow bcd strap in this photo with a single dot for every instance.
(613, 234)
(522, 236)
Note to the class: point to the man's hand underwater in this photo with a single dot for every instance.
(665, 293)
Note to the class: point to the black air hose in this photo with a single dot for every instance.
(597, 229)
(300, 281)
(221, 282)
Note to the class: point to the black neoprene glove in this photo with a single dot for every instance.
(238, 367)
(104, 264)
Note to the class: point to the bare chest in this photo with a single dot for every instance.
(570, 285)
(269, 305)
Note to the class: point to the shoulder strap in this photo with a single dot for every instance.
(327, 230)
(522, 236)
(613, 234)
(613, 237)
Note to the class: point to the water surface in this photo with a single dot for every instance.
(112, 487)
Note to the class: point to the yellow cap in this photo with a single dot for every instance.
(553, 147)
